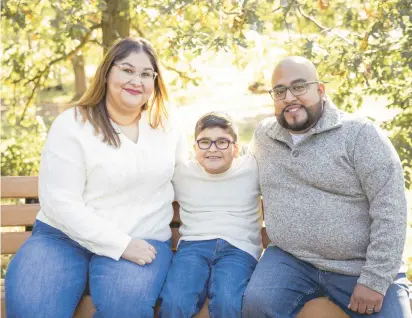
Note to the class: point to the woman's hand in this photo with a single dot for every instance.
(139, 252)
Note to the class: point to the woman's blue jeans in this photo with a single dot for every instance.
(48, 276)
(282, 284)
(212, 268)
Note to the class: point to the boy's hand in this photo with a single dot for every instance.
(139, 252)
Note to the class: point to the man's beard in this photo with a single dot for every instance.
(312, 118)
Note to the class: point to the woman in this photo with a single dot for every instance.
(106, 197)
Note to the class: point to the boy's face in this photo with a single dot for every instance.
(215, 160)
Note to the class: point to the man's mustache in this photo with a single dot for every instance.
(285, 109)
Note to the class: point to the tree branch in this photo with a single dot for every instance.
(277, 9)
(64, 57)
(284, 20)
(78, 47)
(95, 41)
(182, 74)
(235, 12)
(320, 26)
(36, 85)
(231, 13)
(287, 28)
(36, 79)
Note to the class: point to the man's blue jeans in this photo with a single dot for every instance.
(48, 276)
(212, 268)
(282, 284)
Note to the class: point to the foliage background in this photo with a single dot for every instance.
(217, 54)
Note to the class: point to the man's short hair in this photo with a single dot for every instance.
(216, 119)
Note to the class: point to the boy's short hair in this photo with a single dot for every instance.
(216, 119)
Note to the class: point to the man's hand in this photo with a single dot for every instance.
(365, 300)
(139, 252)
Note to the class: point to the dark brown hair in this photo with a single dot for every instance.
(92, 105)
(216, 119)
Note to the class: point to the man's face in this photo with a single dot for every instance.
(297, 113)
(213, 159)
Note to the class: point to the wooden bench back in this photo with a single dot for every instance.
(24, 213)
(17, 214)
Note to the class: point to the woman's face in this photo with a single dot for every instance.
(130, 82)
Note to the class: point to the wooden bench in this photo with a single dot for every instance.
(24, 214)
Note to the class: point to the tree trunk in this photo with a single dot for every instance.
(115, 22)
(79, 76)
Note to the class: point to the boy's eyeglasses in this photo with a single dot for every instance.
(221, 144)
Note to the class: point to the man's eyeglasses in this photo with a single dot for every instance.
(221, 144)
(129, 73)
(297, 89)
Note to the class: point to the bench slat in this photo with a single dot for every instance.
(19, 215)
(11, 241)
(19, 187)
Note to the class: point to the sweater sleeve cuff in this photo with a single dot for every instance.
(118, 247)
(374, 282)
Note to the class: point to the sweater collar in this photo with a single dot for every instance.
(330, 119)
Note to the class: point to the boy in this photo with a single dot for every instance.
(219, 198)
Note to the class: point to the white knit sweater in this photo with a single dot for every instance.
(101, 196)
(222, 206)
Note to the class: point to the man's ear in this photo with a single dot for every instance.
(322, 91)
(194, 147)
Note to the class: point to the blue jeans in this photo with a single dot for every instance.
(282, 284)
(48, 276)
(212, 268)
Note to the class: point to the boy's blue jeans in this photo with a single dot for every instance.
(282, 284)
(48, 276)
(212, 268)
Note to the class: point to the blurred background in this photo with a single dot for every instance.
(215, 54)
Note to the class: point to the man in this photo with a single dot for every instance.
(334, 202)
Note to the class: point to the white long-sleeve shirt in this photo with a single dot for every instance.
(224, 206)
(101, 196)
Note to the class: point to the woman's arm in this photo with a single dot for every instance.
(62, 182)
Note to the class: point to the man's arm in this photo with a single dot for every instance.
(380, 172)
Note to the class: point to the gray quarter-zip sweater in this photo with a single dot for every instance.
(335, 199)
